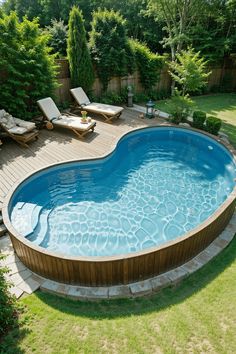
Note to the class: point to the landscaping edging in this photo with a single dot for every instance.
(26, 282)
(149, 286)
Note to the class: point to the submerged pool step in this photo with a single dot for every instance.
(39, 233)
(25, 217)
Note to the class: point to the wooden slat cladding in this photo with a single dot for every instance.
(126, 269)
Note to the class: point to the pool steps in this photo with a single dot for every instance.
(40, 229)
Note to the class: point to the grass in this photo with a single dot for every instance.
(197, 317)
(220, 105)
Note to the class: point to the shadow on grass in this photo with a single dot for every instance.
(230, 130)
(129, 307)
(9, 344)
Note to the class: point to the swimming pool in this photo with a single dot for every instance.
(158, 185)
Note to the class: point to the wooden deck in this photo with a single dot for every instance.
(62, 145)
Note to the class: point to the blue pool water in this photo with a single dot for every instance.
(157, 185)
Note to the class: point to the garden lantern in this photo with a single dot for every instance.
(150, 109)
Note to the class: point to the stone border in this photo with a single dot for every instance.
(26, 282)
(149, 286)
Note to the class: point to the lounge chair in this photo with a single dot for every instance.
(68, 121)
(109, 112)
(19, 130)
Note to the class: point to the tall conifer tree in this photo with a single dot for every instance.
(81, 68)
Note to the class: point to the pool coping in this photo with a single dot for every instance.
(230, 199)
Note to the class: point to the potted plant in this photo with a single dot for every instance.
(84, 116)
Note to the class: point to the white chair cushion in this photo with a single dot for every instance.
(80, 96)
(27, 125)
(103, 108)
(73, 122)
(7, 121)
(49, 108)
(18, 130)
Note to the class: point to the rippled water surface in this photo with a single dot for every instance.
(156, 186)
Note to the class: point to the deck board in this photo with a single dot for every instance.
(61, 145)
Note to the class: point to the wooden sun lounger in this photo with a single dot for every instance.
(21, 139)
(69, 121)
(109, 112)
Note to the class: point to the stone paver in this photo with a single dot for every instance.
(141, 288)
(15, 268)
(29, 285)
(220, 243)
(17, 292)
(177, 274)
(192, 266)
(18, 278)
(160, 282)
(213, 250)
(203, 257)
(11, 258)
(93, 293)
(119, 291)
(6, 245)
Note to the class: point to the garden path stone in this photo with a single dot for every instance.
(29, 285)
(119, 291)
(141, 288)
(17, 292)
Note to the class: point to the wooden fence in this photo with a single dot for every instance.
(219, 77)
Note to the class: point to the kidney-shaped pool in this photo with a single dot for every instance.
(157, 185)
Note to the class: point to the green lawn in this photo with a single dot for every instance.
(197, 317)
(220, 105)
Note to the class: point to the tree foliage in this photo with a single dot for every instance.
(214, 32)
(180, 107)
(58, 32)
(27, 70)
(46, 10)
(81, 68)
(148, 64)
(189, 71)
(178, 16)
(109, 46)
(7, 303)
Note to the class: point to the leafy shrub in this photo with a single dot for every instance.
(199, 118)
(81, 68)
(110, 98)
(27, 70)
(111, 53)
(213, 125)
(58, 37)
(180, 107)
(7, 303)
(140, 97)
(148, 64)
(189, 71)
